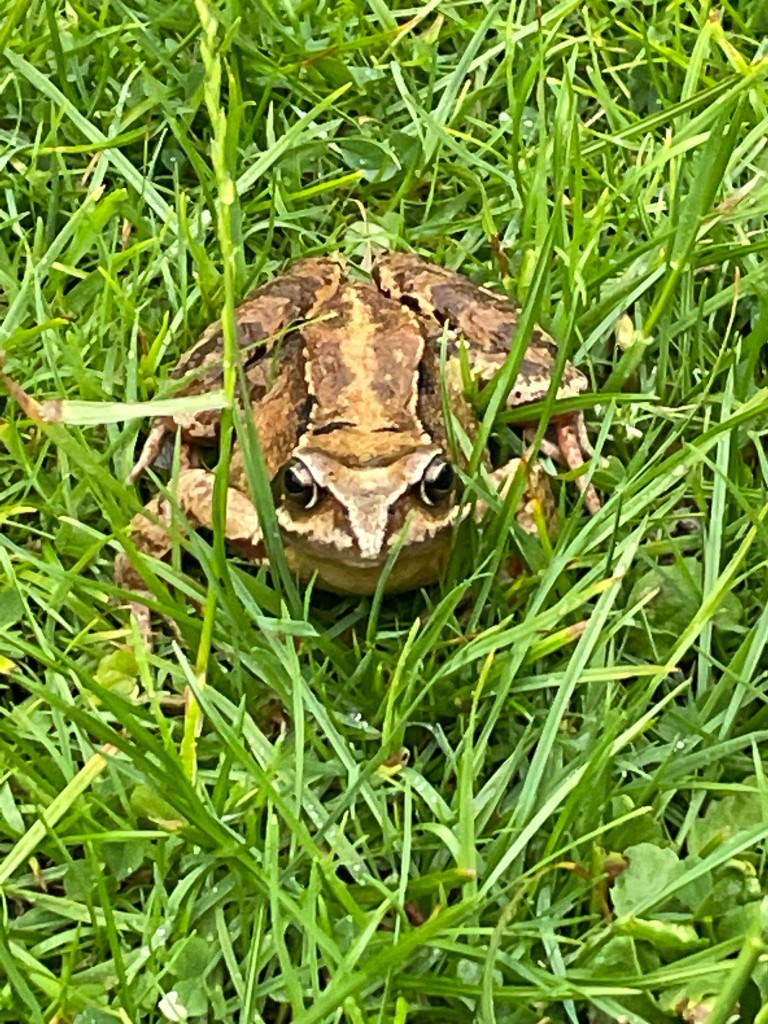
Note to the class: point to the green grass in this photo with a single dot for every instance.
(579, 832)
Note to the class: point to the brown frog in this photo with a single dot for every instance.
(343, 378)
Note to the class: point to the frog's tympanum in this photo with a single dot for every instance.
(348, 390)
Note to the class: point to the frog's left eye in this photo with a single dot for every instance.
(437, 482)
(299, 485)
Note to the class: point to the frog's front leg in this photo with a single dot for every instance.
(536, 505)
(566, 442)
(151, 536)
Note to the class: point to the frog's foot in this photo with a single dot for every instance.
(570, 447)
(571, 436)
(151, 536)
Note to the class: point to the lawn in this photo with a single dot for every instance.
(503, 799)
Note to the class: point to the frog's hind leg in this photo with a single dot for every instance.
(298, 294)
(151, 535)
(485, 323)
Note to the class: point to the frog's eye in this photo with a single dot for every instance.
(299, 486)
(437, 482)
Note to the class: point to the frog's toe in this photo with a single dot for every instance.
(570, 441)
(141, 615)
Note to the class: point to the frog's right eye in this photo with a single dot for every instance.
(299, 486)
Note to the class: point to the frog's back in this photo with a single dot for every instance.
(484, 321)
(363, 354)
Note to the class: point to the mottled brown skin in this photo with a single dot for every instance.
(487, 322)
(298, 294)
(344, 387)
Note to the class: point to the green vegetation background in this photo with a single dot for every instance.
(579, 831)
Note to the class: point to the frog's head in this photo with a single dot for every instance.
(341, 517)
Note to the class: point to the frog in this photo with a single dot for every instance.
(347, 381)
